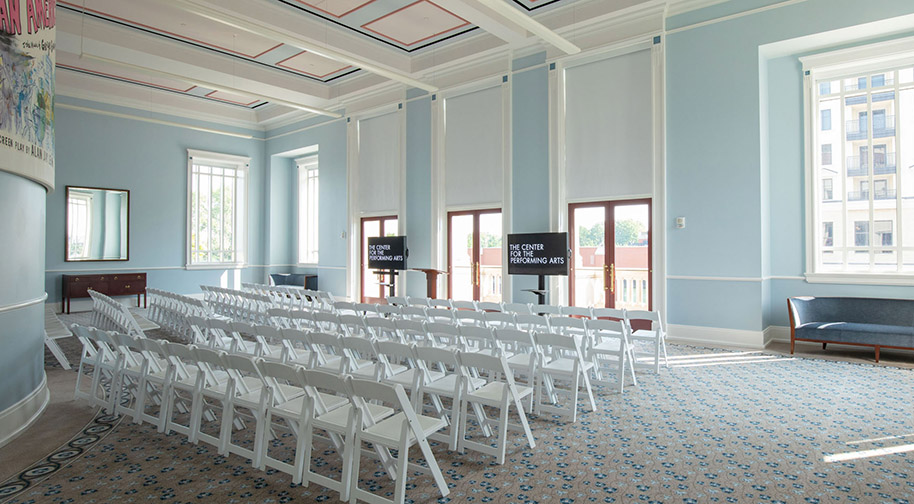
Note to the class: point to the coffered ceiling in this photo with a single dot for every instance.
(258, 63)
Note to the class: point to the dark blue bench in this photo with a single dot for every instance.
(877, 323)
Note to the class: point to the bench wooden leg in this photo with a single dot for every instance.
(792, 344)
(823, 345)
(877, 354)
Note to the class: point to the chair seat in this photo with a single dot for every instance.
(644, 334)
(370, 370)
(293, 407)
(387, 432)
(252, 383)
(491, 393)
(445, 385)
(337, 419)
(407, 377)
(608, 346)
(564, 366)
(520, 359)
(303, 359)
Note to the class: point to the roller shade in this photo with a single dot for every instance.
(474, 148)
(608, 132)
(379, 164)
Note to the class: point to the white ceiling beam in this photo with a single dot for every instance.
(528, 23)
(487, 19)
(294, 40)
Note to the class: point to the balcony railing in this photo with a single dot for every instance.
(858, 166)
(883, 126)
(865, 195)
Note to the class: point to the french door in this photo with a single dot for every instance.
(373, 227)
(611, 250)
(474, 255)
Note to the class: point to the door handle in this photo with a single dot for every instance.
(477, 274)
(612, 277)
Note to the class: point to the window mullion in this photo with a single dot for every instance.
(842, 140)
(871, 173)
(897, 236)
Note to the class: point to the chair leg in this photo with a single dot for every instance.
(433, 467)
(349, 452)
(502, 432)
(354, 485)
(402, 470)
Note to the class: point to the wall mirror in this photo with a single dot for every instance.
(97, 224)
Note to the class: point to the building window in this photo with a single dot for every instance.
(644, 291)
(826, 120)
(216, 209)
(883, 231)
(308, 204)
(855, 99)
(828, 234)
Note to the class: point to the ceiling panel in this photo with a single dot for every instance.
(237, 99)
(415, 23)
(336, 8)
(313, 65)
(169, 19)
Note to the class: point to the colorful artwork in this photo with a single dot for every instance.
(27, 57)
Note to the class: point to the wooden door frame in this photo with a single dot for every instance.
(609, 229)
(362, 258)
(476, 249)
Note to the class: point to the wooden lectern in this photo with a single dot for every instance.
(431, 278)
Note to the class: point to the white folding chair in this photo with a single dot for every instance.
(389, 311)
(545, 310)
(417, 301)
(102, 363)
(297, 348)
(440, 315)
(401, 431)
(444, 335)
(655, 336)
(363, 361)
(470, 318)
(500, 391)
(500, 320)
(397, 300)
(327, 352)
(488, 306)
(478, 339)
(442, 376)
(518, 308)
(464, 305)
(608, 313)
(576, 311)
(532, 323)
(382, 329)
(404, 356)
(611, 344)
(327, 322)
(412, 331)
(521, 352)
(441, 303)
(563, 359)
(354, 325)
(413, 313)
(293, 410)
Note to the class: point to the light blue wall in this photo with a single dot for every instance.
(22, 205)
(530, 156)
(282, 218)
(149, 160)
(330, 136)
(735, 161)
(419, 191)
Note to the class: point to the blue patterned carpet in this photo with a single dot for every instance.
(717, 426)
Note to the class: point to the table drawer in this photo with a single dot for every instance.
(122, 286)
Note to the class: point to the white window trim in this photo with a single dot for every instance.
(243, 163)
(832, 66)
(299, 162)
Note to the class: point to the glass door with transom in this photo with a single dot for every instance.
(373, 227)
(474, 255)
(611, 273)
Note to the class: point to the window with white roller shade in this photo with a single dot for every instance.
(608, 131)
(474, 148)
(379, 164)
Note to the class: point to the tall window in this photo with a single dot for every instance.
(860, 111)
(308, 201)
(80, 225)
(217, 209)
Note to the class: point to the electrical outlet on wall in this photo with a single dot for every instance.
(680, 222)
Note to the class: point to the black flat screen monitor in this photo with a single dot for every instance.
(387, 253)
(538, 254)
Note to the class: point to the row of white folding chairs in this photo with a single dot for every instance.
(170, 310)
(141, 367)
(112, 315)
(654, 336)
(283, 296)
(319, 339)
(237, 304)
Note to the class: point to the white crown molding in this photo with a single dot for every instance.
(676, 7)
(147, 106)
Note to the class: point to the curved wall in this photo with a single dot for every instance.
(22, 224)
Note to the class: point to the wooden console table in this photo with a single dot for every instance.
(111, 284)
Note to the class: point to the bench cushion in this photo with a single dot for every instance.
(855, 332)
